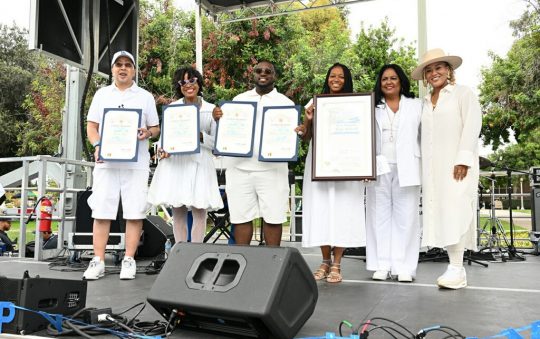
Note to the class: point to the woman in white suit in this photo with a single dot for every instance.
(393, 223)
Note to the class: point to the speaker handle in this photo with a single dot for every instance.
(213, 271)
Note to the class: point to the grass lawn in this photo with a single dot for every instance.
(13, 233)
(504, 223)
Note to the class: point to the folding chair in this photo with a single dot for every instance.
(221, 221)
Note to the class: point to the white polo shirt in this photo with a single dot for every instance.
(274, 98)
(133, 97)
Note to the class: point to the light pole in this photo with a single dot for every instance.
(521, 188)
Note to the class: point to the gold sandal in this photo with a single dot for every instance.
(322, 272)
(334, 276)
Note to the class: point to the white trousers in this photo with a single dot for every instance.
(393, 225)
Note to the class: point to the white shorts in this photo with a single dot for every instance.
(110, 184)
(254, 194)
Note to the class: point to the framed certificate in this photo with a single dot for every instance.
(119, 128)
(344, 137)
(279, 141)
(180, 129)
(236, 129)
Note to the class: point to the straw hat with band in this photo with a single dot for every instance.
(432, 56)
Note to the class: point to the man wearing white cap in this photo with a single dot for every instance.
(115, 180)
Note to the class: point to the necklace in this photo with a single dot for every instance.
(391, 118)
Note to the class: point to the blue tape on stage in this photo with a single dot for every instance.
(531, 331)
(332, 335)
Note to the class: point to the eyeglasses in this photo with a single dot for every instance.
(126, 64)
(191, 81)
(266, 71)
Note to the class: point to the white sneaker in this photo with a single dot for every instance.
(129, 268)
(95, 270)
(454, 278)
(380, 275)
(404, 278)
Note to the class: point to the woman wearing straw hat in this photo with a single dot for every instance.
(451, 122)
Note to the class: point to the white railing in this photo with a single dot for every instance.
(35, 174)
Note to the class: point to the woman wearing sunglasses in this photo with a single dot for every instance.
(333, 211)
(189, 181)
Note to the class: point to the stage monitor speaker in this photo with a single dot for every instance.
(156, 231)
(56, 296)
(83, 216)
(239, 291)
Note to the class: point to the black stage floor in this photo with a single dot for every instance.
(503, 295)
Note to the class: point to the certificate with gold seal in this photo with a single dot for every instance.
(118, 140)
(180, 129)
(279, 141)
(236, 129)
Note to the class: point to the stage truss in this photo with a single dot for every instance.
(224, 11)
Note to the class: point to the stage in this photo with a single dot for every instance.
(503, 295)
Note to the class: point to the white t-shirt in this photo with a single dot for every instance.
(133, 97)
(274, 98)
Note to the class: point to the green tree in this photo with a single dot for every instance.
(375, 47)
(17, 69)
(510, 93)
(44, 104)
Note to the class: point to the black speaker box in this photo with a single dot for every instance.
(84, 222)
(56, 296)
(156, 231)
(239, 291)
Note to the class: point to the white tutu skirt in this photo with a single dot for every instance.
(186, 180)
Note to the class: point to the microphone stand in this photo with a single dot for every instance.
(512, 251)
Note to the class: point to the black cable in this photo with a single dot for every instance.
(395, 323)
(387, 330)
(88, 80)
(444, 330)
(384, 328)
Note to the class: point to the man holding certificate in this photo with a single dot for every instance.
(121, 119)
(256, 188)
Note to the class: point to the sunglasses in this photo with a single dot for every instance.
(191, 81)
(266, 71)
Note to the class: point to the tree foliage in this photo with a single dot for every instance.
(510, 92)
(17, 69)
(375, 47)
(44, 104)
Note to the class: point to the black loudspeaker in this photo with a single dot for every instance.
(83, 216)
(155, 233)
(56, 296)
(240, 291)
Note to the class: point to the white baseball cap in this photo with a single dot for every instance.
(122, 54)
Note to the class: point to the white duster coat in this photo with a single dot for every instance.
(449, 137)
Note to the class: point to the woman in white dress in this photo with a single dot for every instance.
(189, 181)
(333, 215)
(393, 221)
(451, 123)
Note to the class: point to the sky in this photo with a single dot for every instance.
(467, 28)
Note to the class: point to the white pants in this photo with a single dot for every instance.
(393, 225)
(254, 194)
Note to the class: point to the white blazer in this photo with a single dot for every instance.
(408, 154)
